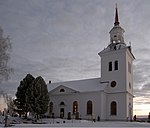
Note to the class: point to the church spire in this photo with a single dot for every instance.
(116, 16)
(117, 33)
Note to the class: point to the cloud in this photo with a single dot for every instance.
(146, 87)
(60, 39)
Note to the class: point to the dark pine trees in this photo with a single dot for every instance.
(22, 95)
(32, 96)
(39, 98)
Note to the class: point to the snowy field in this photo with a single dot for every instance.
(17, 122)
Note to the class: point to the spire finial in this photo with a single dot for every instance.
(116, 16)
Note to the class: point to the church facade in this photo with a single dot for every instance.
(107, 98)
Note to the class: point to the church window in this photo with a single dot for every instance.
(116, 65)
(113, 108)
(113, 84)
(51, 107)
(129, 67)
(62, 90)
(62, 103)
(110, 66)
(129, 85)
(75, 107)
(89, 107)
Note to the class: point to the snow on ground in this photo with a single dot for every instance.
(72, 123)
(89, 124)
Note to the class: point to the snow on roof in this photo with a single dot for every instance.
(86, 85)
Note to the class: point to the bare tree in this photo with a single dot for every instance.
(8, 102)
(5, 47)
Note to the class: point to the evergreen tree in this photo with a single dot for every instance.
(22, 94)
(39, 98)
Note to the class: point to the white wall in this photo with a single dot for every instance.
(115, 75)
(121, 93)
(82, 99)
(120, 99)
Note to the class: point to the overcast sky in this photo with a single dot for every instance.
(60, 40)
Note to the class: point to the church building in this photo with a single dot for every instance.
(107, 98)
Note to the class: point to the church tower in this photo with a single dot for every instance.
(117, 71)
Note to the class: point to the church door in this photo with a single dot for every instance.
(62, 112)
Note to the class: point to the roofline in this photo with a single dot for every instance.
(78, 93)
(74, 80)
(62, 86)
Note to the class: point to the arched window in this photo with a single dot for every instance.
(110, 66)
(129, 67)
(75, 107)
(51, 107)
(129, 85)
(116, 65)
(62, 90)
(62, 103)
(89, 107)
(113, 108)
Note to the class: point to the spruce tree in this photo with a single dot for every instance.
(22, 94)
(39, 98)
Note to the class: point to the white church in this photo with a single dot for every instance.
(107, 98)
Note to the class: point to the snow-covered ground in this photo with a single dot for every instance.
(73, 123)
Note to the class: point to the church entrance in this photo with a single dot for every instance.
(62, 112)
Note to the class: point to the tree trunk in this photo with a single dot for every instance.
(6, 121)
(37, 116)
(26, 115)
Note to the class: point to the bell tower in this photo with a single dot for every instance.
(117, 71)
(117, 33)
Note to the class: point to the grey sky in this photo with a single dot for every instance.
(60, 39)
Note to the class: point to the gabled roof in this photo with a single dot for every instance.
(86, 85)
(58, 88)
